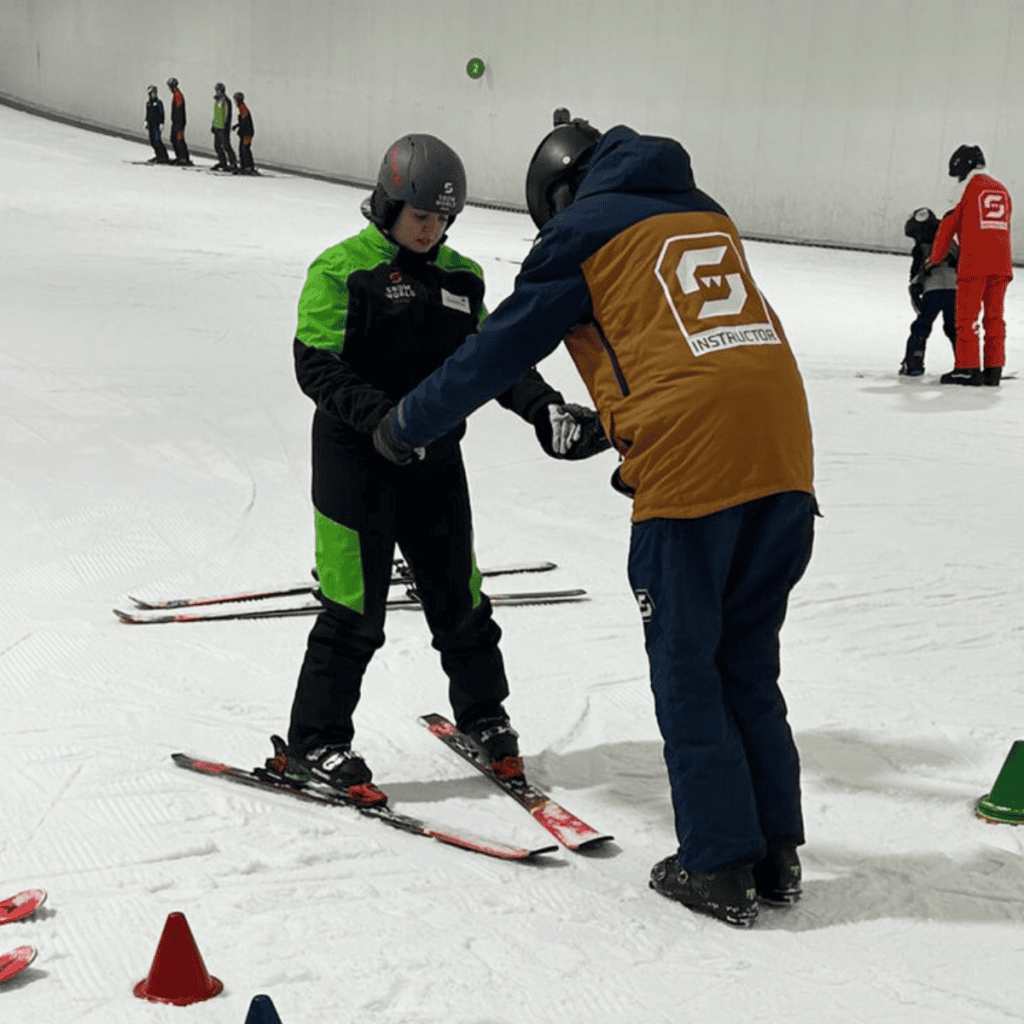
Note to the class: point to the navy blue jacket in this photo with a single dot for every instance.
(630, 178)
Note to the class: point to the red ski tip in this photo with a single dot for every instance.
(21, 905)
(15, 961)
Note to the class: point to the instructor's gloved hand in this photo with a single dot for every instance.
(570, 431)
(386, 441)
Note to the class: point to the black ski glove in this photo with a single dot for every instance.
(560, 439)
(388, 445)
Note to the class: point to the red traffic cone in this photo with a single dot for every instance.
(177, 974)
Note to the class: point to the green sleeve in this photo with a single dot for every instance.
(323, 306)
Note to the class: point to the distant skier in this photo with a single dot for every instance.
(245, 133)
(379, 312)
(181, 155)
(221, 129)
(981, 224)
(932, 290)
(645, 278)
(154, 125)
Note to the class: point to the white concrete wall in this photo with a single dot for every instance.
(817, 120)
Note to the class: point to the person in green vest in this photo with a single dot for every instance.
(221, 129)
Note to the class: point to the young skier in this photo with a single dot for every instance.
(245, 133)
(980, 222)
(379, 312)
(154, 125)
(696, 386)
(932, 290)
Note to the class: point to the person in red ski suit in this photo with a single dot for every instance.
(980, 221)
(181, 153)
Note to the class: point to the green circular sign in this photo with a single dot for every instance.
(475, 68)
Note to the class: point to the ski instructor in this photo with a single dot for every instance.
(645, 278)
(379, 312)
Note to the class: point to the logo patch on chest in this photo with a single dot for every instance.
(459, 302)
(398, 290)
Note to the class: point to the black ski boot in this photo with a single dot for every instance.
(729, 894)
(777, 877)
(499, 742)
(991, 376)
(913, 364)
(970, 376)
(335, 765)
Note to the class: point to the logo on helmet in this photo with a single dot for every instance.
(396, 171)
(713, 299)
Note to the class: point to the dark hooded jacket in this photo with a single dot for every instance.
(645, 278)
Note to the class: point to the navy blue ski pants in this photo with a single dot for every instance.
(713, 593)
(938, 300)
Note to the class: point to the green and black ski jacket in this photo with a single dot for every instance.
(375, 319)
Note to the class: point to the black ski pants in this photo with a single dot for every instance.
(364, 507)
(222, 147)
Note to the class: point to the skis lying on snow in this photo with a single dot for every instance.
(141, 617)
(21, 905)
(569, 830)
(319, 794)
(17, 908)
(401, 574)
(15, 961)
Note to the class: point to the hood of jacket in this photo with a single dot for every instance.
(625, 161)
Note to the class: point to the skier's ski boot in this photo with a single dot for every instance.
(913, 364)
(991, 376)
(333, 765)
(969, 375)
(499, 743)
(729, 895)
(777, 877)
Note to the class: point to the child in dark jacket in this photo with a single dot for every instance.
(932, 290)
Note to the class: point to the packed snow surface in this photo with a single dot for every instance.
(153, 442)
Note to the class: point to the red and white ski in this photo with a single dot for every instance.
(314, 793)
(21, 905)
(570, 831)
(14, 962)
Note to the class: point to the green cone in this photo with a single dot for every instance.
(1005, 804)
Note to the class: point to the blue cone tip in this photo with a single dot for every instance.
(261, 1011)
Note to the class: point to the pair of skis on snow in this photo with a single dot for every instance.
(570, 831)
(183, 609)
(17, 908)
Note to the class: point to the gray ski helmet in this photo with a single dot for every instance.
(422, 171)
(964, 160)
(557, 166)
(921, 225)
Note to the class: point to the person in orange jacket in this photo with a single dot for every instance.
(980, 221)
(645, 278)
